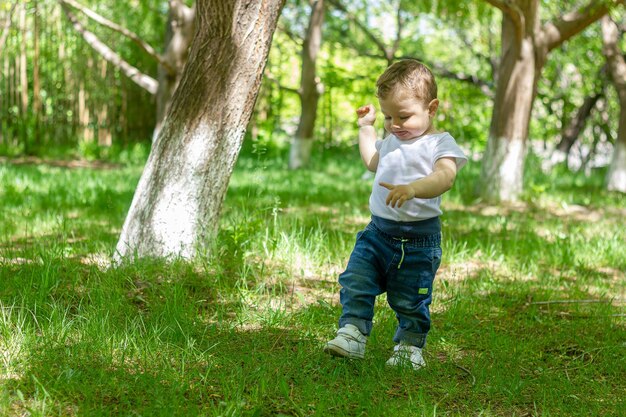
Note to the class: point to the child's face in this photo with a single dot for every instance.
(406, 116)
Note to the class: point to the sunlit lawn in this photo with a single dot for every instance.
(528, 316)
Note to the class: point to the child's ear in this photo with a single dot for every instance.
(432, 107)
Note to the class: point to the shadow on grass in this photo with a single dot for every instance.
(159, 339)
(153, 339)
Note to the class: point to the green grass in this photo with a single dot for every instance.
(240, 333)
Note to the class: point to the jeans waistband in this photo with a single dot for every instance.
(423, 241)
(408, 229)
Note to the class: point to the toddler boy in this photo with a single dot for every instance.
(399, 251)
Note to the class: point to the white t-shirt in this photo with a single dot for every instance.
(404, 161)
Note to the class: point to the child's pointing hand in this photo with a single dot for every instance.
(398, 194)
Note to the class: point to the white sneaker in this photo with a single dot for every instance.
(349, 343)
(407, 355)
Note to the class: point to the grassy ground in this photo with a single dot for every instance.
(528, 317)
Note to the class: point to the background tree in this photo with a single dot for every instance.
(179, 32)
(616, 177)
(176, 206)
(570, 122)
(74, 95)
(439, 34)
(178, 35)
(310, 90)
(576, 124)
(526, 43)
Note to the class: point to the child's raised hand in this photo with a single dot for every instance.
(398, 194)
(367, 115)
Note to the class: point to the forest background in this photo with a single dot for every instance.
(60, 97)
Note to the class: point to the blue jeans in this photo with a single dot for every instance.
(404, 268)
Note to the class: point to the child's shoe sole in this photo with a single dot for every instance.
(338, 351)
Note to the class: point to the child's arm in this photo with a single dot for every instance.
(431, 186)
(367, 136)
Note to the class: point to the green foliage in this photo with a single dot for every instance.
(79, 92)
(240, 332)
(457, 39)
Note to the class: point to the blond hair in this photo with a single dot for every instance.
(410, 74)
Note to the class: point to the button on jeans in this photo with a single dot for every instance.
(404, 268)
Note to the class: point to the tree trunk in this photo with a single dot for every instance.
(23, 75)
(176, 206)
(85, 132)
(526, 44)
(5, 136)
(23, 63)
(310, 89)
(36, 80)
(503, 161)
(104, 131)
(178, 37)
(5, 99)
(616, 177)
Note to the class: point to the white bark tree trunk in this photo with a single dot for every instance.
(616, 177)
(176, 207)
(503, 161)
(526, 43)
(300, 152)
(310, 89)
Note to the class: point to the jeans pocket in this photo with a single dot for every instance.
(418, 269)
(368, 228)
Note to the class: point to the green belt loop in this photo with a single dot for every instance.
(402, 247)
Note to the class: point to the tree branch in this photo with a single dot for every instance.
(6, 26)
(268, 76)
(122, 30)
(144, 81)
(577, 123)
(389, 53)
(441, 70)
(358, 49)
(569, 24)
(294, 38)
(399, 27)
(363, 27)
(514, 13)
(469, 43)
